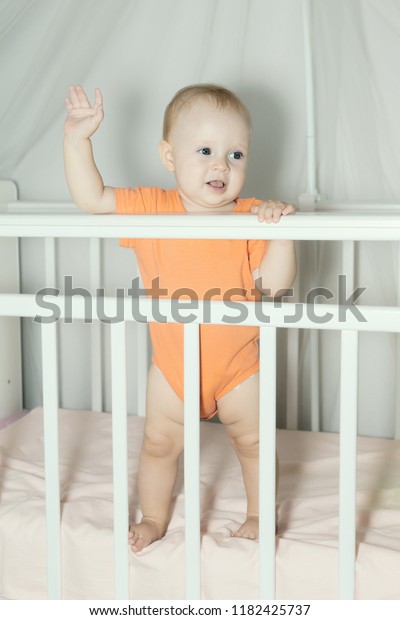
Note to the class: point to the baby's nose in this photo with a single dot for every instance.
(220, 163)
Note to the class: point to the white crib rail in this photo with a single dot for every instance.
(303, 226)
(350, 225)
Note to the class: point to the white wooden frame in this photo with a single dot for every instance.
(324, 225)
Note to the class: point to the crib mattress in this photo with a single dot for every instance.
(306, 545)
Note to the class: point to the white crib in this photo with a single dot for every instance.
(57, 220)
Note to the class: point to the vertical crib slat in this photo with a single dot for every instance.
(314, 351)
(192, 460)
(397, 388)
(349, 262)
(292, 379)
(96, 362)
(50, 261)
(51, 458)
(315, 380)
(120, 460)
(96, 329)
(142, 367)
(267, 463)
(348, 464)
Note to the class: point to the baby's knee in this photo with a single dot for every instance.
(246, 445)
(159, 445)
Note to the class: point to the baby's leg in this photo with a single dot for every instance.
(238, 410)
(162, 446)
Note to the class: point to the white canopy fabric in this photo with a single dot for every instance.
(139, 52)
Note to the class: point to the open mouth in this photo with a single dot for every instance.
(216, 184)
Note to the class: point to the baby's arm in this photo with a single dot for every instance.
(278, 266)
(84, 180)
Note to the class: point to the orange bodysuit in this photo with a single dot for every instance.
(228, 353)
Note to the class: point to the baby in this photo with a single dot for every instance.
(206, 142)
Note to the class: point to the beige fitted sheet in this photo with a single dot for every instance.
(306, 556)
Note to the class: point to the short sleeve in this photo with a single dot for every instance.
(256, 249)
(130, 202)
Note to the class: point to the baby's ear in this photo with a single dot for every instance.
(166, 156)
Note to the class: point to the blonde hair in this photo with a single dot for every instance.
(222, 97)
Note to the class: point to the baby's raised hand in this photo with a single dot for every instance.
(83, 119)
(272, 210)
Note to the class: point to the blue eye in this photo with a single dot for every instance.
(236, 155)
(205, 151)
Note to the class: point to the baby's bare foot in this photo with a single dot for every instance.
(142, 534)
(248, 529)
